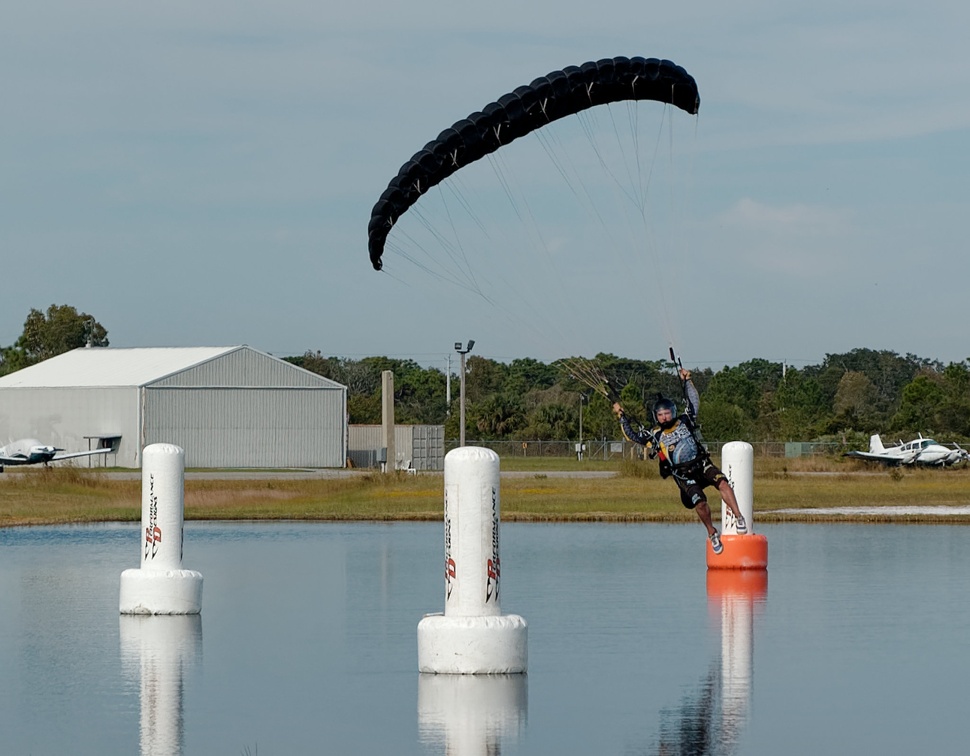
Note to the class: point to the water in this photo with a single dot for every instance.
(859, 642)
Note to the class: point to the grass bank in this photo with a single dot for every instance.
(636, 493)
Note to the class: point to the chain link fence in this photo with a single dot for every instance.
(607, 449)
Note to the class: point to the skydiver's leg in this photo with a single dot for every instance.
(727, 493)
(692, 497)
(704, 513)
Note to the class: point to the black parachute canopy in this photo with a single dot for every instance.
(525, 109)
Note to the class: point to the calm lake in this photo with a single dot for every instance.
(858, 641)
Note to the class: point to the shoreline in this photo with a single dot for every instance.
(64, 496)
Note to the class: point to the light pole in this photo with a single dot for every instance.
(461, 403)
(579, 452)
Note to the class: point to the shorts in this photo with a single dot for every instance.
(693, 480)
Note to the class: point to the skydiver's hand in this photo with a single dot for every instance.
(684, 374)
(617, 409)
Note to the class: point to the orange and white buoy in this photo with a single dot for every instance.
(741, 552)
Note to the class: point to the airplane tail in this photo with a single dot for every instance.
(875, 445)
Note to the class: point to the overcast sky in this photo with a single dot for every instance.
(202, 174)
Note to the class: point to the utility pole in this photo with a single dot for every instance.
(462, 352)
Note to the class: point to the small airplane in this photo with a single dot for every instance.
(920, 451)
(30, 451)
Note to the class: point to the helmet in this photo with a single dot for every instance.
(663, 403)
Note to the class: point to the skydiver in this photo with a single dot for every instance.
(683, 456)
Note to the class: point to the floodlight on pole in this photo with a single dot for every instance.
(461, 403)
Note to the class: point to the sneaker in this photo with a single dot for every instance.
(716, 542)
(740, 525)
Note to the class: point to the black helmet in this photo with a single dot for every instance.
(663, 403)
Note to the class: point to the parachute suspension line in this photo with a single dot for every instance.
(682, 201)
(452, 248)
(631, 257)
(659, 261)
(454, 185)
(463, 261)
(588, 130)
(549, 142)
(433, 269)
(522, 209)
(527, 221)
(633, 118)
(638, 198)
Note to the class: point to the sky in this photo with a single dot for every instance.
(202, 174)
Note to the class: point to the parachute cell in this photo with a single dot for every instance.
(521, 111)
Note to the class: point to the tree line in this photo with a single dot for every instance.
(844, 399)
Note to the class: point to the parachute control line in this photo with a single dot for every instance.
(472, 637)
(741, 552)
(160, 585)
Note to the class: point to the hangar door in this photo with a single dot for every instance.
(249, 427)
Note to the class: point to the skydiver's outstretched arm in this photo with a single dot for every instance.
(691, 396)
(640, 435)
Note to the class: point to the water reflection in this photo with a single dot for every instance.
(156, 653)
(472, 714)
(711, 720)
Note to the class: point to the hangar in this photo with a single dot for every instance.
(226, 406)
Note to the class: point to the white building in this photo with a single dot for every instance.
(226, 406)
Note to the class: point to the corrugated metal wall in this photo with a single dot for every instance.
(242, 409)
(249, 427)
(245, 367)
(64, 416)
(428, 447)
(420, 446)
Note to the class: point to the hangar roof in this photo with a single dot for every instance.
(110, 366)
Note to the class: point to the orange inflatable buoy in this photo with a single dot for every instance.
(741, 552)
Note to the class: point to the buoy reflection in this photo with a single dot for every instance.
(472, 714)
(156, 652)
(711, 720)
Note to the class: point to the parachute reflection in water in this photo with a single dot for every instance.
(525, 109)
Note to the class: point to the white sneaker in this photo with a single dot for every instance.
(716, 542)
(740, 525)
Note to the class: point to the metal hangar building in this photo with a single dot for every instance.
(226, 406)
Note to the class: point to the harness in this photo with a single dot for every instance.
(682, 470)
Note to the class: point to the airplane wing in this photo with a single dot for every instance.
(884, 459)
(72, 455)
(16, 459)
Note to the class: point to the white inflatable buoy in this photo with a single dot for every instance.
(160, 585)
(472, 637)
(750, 550)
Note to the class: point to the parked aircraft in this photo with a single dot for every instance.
(920, 451)
(30, 451)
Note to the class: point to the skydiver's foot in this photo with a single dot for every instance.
(740, 525)
(716, 542)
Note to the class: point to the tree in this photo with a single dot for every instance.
(854, 400)
(920, 408)
(498, 416)
(61, 329)
(956, 404)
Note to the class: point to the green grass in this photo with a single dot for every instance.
(636, 493)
